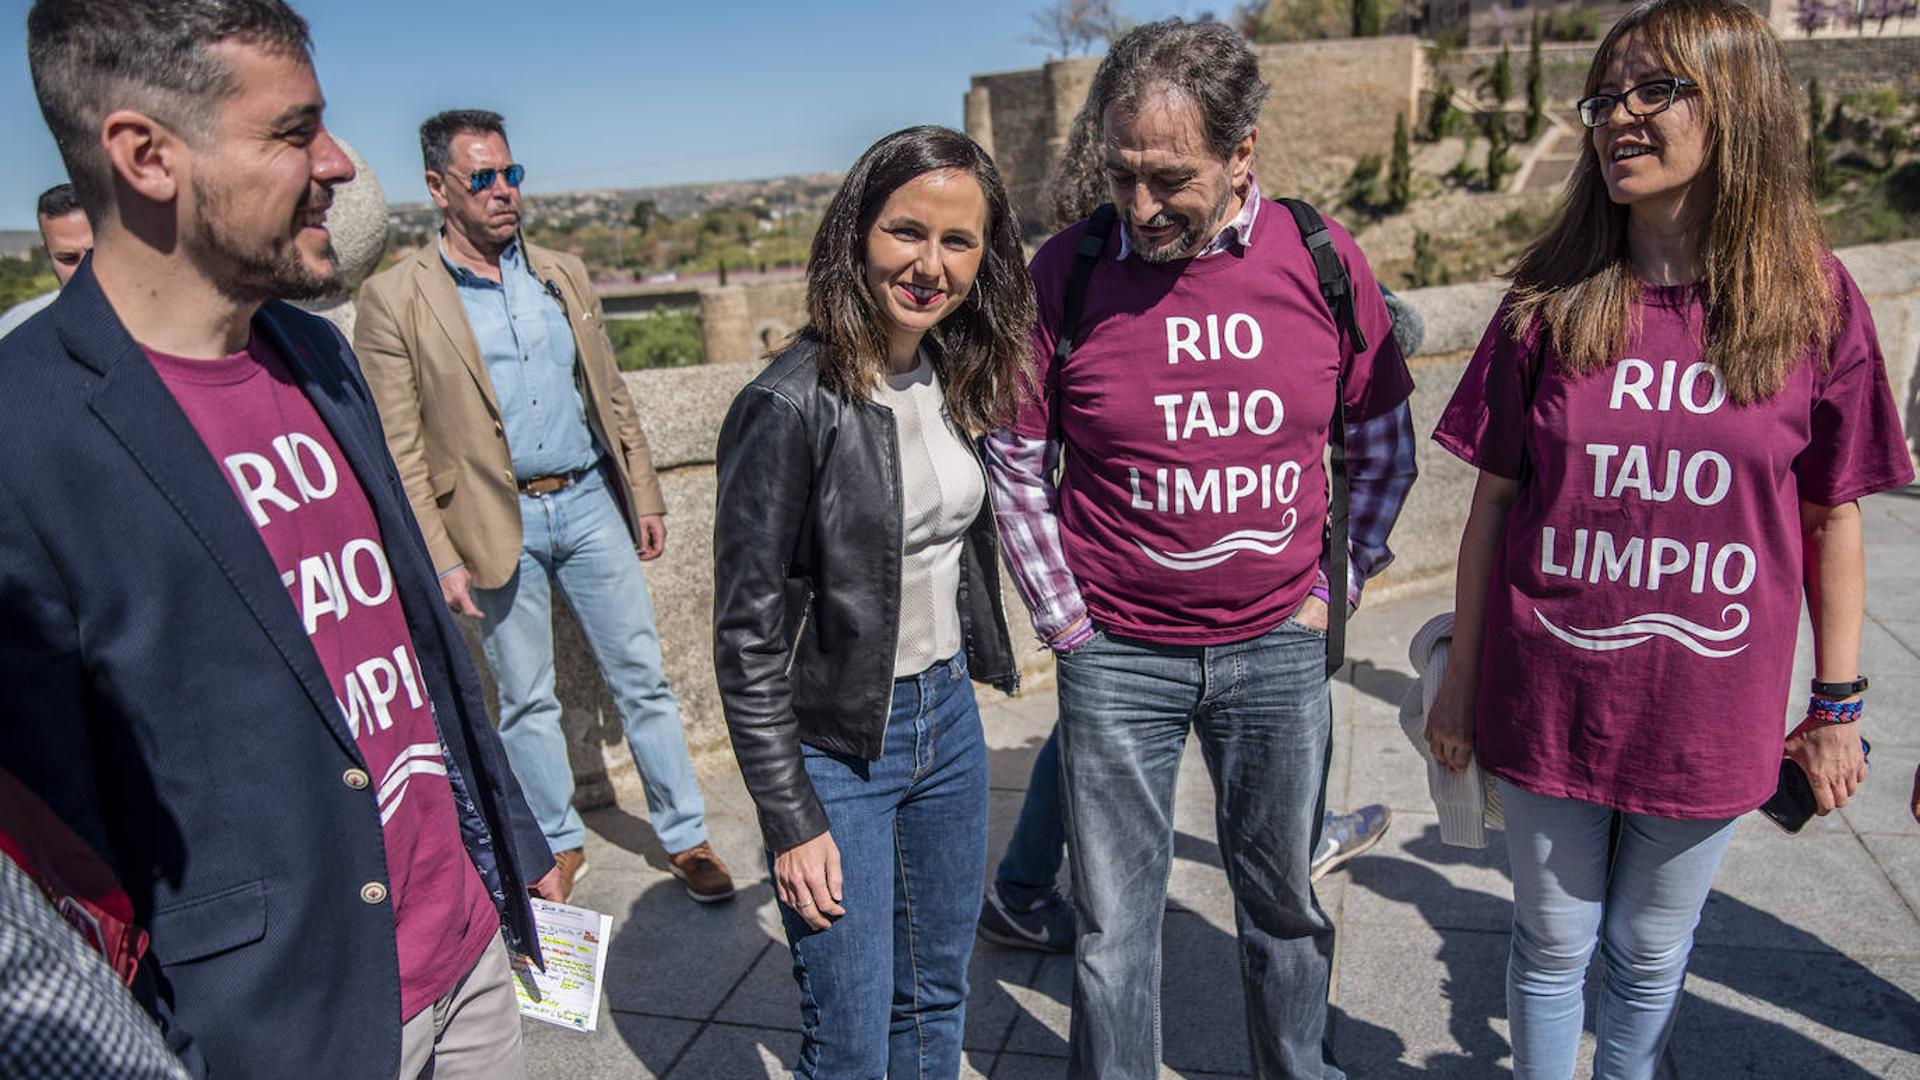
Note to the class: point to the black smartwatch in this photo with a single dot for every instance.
(1840, 689)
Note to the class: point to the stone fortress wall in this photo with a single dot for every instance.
(1335, 101)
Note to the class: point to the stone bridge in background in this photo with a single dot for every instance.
(681, 409)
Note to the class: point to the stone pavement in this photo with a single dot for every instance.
(1807, 962)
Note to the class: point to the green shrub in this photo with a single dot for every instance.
(24, 279)
(669, 338)
(1902, 188)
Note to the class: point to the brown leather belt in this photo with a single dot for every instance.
(547, 485)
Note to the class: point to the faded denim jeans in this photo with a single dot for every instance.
(577, 539)
(1261, 711)
(1637, 894)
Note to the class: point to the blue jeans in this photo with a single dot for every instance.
(577, 538)
(1038, 845)
(883, 991)
(1639, 897)
(1264, 721)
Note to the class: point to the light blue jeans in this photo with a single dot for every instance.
(577, 538)
(1638, 897)
(1261, 711)
(883, 991)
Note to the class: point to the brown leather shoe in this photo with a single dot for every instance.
(704, 875)
(572, 864)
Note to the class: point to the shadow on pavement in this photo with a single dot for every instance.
(632, 834)
(1385, 684)
(1803, 976)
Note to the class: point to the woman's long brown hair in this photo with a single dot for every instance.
(982, 348)
(1767, 290)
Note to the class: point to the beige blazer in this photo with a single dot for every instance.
(443, 419)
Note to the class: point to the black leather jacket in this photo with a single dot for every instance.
(807, 537)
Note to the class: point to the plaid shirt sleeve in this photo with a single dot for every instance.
(63, 1013)
(1380, 472)
(1025, 506)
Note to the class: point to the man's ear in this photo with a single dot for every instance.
(1240, 166)
(437, 189)
(147, 157)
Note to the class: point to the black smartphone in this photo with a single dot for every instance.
(1792, 806)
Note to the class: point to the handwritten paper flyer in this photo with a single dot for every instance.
(573, 943)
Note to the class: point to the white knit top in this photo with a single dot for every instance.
(941, 492)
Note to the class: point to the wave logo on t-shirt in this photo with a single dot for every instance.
(1658, 564)
(415, 759)
(1206, 415)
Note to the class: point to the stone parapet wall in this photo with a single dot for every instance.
(682, 409)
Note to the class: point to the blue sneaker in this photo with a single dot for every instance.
(1342, 836)
(1045, 925)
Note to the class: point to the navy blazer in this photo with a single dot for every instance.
(158, 690)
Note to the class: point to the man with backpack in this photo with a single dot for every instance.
(1196, 363)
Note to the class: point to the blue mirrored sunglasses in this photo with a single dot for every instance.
(480, 180)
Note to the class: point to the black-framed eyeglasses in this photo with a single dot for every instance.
(1647, 99)
(480, 180)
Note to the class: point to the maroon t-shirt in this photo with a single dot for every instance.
(303, 497)
(1642, 614)
(1194, 412)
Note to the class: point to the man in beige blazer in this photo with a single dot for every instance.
(526, 467)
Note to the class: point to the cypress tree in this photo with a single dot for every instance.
(1819, 155)
(1366, 18)
(1426, 262)
(1496, 151)
(1400, 168)
(1536, 85)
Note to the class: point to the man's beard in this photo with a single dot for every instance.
(1190, 238)
(255, 273)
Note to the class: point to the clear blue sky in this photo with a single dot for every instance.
(599, 93)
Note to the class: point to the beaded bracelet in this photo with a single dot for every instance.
(1834, 712)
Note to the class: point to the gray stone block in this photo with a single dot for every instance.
(1394, 774)
(681, 409)
(1414, 998)
(1899, 857)
(1042, 1025)
(1762, 1013)
(671, 957)
(1777, 892)
(738, 1053)
(627, 1046)
(1456, 316)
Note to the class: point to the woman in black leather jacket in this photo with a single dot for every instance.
(856, 589)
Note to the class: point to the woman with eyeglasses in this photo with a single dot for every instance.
(1673, 414)
(857, 590)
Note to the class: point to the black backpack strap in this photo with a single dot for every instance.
(1336, 288)
(1093, 241)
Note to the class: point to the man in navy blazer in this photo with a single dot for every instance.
(178, 677)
